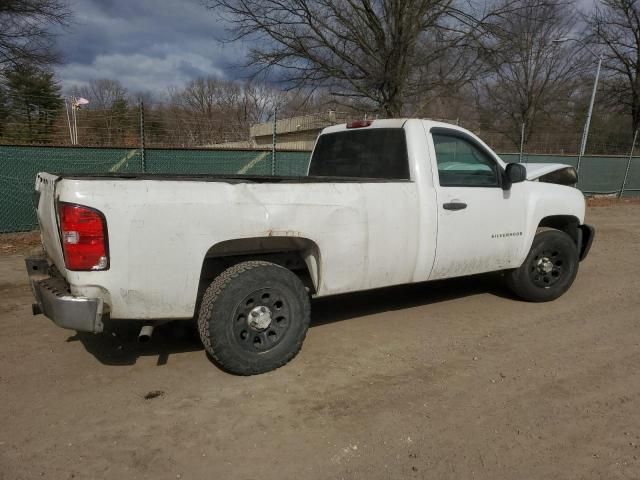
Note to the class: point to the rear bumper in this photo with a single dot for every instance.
(55, 301)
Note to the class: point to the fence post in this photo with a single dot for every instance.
(66, 107)
(626, 172)
(142, 153)
(74, 119)
(273, 141)
(521, 142)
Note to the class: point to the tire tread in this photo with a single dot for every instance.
(518, 281)
(217, 348)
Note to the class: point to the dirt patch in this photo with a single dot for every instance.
(611, 201)
(446, 380)
(19, 243)
(153, 394)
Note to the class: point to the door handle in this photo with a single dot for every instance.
(454, 206)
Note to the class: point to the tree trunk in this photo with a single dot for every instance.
(393, 107)
(635, 114)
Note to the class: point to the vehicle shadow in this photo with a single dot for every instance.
(118, 344)
(343, 307)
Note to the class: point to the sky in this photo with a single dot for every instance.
(149, 45)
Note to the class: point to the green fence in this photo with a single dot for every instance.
(598, 174)
(20, 164)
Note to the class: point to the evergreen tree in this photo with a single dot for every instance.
(33, 103)
(4, 109)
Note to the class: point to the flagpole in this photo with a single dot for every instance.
(75, 120)
(66, 106)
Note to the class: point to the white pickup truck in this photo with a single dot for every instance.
(385, 202)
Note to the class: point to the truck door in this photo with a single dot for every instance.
(480, 225)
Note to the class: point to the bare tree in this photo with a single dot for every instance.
(212, 110)
(204, 110)
(259, 101)
(107, 115)
(25, 30)
(530, 77)
(381, 52)
(614, 27)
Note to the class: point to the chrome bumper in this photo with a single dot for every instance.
(55, 301)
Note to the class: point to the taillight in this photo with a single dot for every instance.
(83, 231)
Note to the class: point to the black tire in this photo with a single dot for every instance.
(254, 317)
(549, 269)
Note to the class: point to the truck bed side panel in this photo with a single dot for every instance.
(159, 233)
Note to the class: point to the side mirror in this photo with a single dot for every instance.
(514, 173)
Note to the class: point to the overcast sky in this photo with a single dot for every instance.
(148, 45)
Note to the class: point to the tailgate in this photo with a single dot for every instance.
(48, 218)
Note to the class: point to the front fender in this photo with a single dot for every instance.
(551, 200)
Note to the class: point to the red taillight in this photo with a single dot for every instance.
(359, 123)
(83, 231)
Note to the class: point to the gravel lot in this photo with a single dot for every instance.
(453, 379)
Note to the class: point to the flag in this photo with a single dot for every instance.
(79, 101)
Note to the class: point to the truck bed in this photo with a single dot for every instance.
(172, 223)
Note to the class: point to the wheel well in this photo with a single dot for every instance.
(300, 255)
(565, 223)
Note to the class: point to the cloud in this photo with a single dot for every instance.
(141, 73)
(148, 45)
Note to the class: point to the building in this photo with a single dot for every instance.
(296, 133)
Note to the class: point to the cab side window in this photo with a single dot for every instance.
(463, 164)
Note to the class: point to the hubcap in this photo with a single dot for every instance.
(260, 320)
(545, 265)
(547, 268)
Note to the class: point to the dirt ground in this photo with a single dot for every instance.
(448, 380)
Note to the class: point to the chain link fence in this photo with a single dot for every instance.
(278, 146)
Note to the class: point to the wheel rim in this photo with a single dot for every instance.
(547, 268)
(261, 320)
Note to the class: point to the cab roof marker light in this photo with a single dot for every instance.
(359, 123)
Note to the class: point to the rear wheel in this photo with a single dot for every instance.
(254, 317)
(549, 269)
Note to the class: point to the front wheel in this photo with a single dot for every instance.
(549, 269)
(254, 317)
